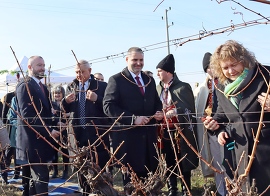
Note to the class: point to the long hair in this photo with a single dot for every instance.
(230, 50)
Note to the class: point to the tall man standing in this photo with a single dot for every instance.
(133, 93)
(177, 98)
(84, 102)
(30, 145)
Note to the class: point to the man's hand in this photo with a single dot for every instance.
(210, 124)
(170, 113)
(70, 98)
(158, 115)
(61, 125)
(55, 133)
(92, 96)
(141, 120)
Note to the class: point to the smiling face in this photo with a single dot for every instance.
(36, 67)
(82, 73)
(135, 61)
(58, 96)
(232, 68)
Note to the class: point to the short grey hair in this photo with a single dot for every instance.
(84, 63)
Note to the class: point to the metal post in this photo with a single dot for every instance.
(167, 31)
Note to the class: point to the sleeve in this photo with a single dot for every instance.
(12, 116)
(28, 112)
(111, 103)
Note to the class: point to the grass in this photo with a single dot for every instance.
(197, 189)
(197, 183)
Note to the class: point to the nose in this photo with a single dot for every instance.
(230, 70)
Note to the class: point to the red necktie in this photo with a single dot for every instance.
(139, 84)
(42, 88)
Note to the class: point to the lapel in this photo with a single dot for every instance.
(93, 84)
(227, 105)
(251, 93)
(38, 94)
(127, 74)
(146, 79)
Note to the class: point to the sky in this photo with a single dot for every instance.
(101, 31)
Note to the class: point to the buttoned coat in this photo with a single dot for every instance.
(122, 95)
(181, 93)
(244, 124)
(30, 146)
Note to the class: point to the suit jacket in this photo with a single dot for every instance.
(182, 93)
(94, 113)
(122, 95)
(30, 146)
(244, 122)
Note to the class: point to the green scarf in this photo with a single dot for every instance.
(230, 88)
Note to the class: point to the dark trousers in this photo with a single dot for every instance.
(39, 180)
(11, 153)
(171, 162)
(26, 175)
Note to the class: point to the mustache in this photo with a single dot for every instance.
(41, 75)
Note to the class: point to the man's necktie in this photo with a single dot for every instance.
(140, 84)
(42, 88)
(82, 119)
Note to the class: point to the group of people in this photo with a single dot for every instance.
(220, 120)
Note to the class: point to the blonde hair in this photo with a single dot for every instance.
(230, 50)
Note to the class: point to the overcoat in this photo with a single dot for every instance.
(201, 95)
(122, 95)
(181, 93)
(30, 147)
(244, 124)
(94, 117)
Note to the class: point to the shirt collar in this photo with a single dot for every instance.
(134, 75)
(37, 80)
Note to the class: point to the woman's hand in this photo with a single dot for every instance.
(222, 136)
(261, 99)
(210, 124)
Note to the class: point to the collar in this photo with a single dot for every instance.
(37, 80)
(134, 75)
(86, 83)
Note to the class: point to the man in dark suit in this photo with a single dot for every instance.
(32, 145)
(84, 102)
(134, 93)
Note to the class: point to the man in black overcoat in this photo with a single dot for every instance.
(137, 98)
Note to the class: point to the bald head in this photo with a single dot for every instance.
(36, 67)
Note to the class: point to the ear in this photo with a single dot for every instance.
(126, 58)
(29, 67)
(90, 69)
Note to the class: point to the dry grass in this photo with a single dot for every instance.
(197, 179)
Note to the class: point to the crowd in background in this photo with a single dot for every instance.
(219, 119)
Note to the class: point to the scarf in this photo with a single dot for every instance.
(233, 87)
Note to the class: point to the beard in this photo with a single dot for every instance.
(39, 75)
